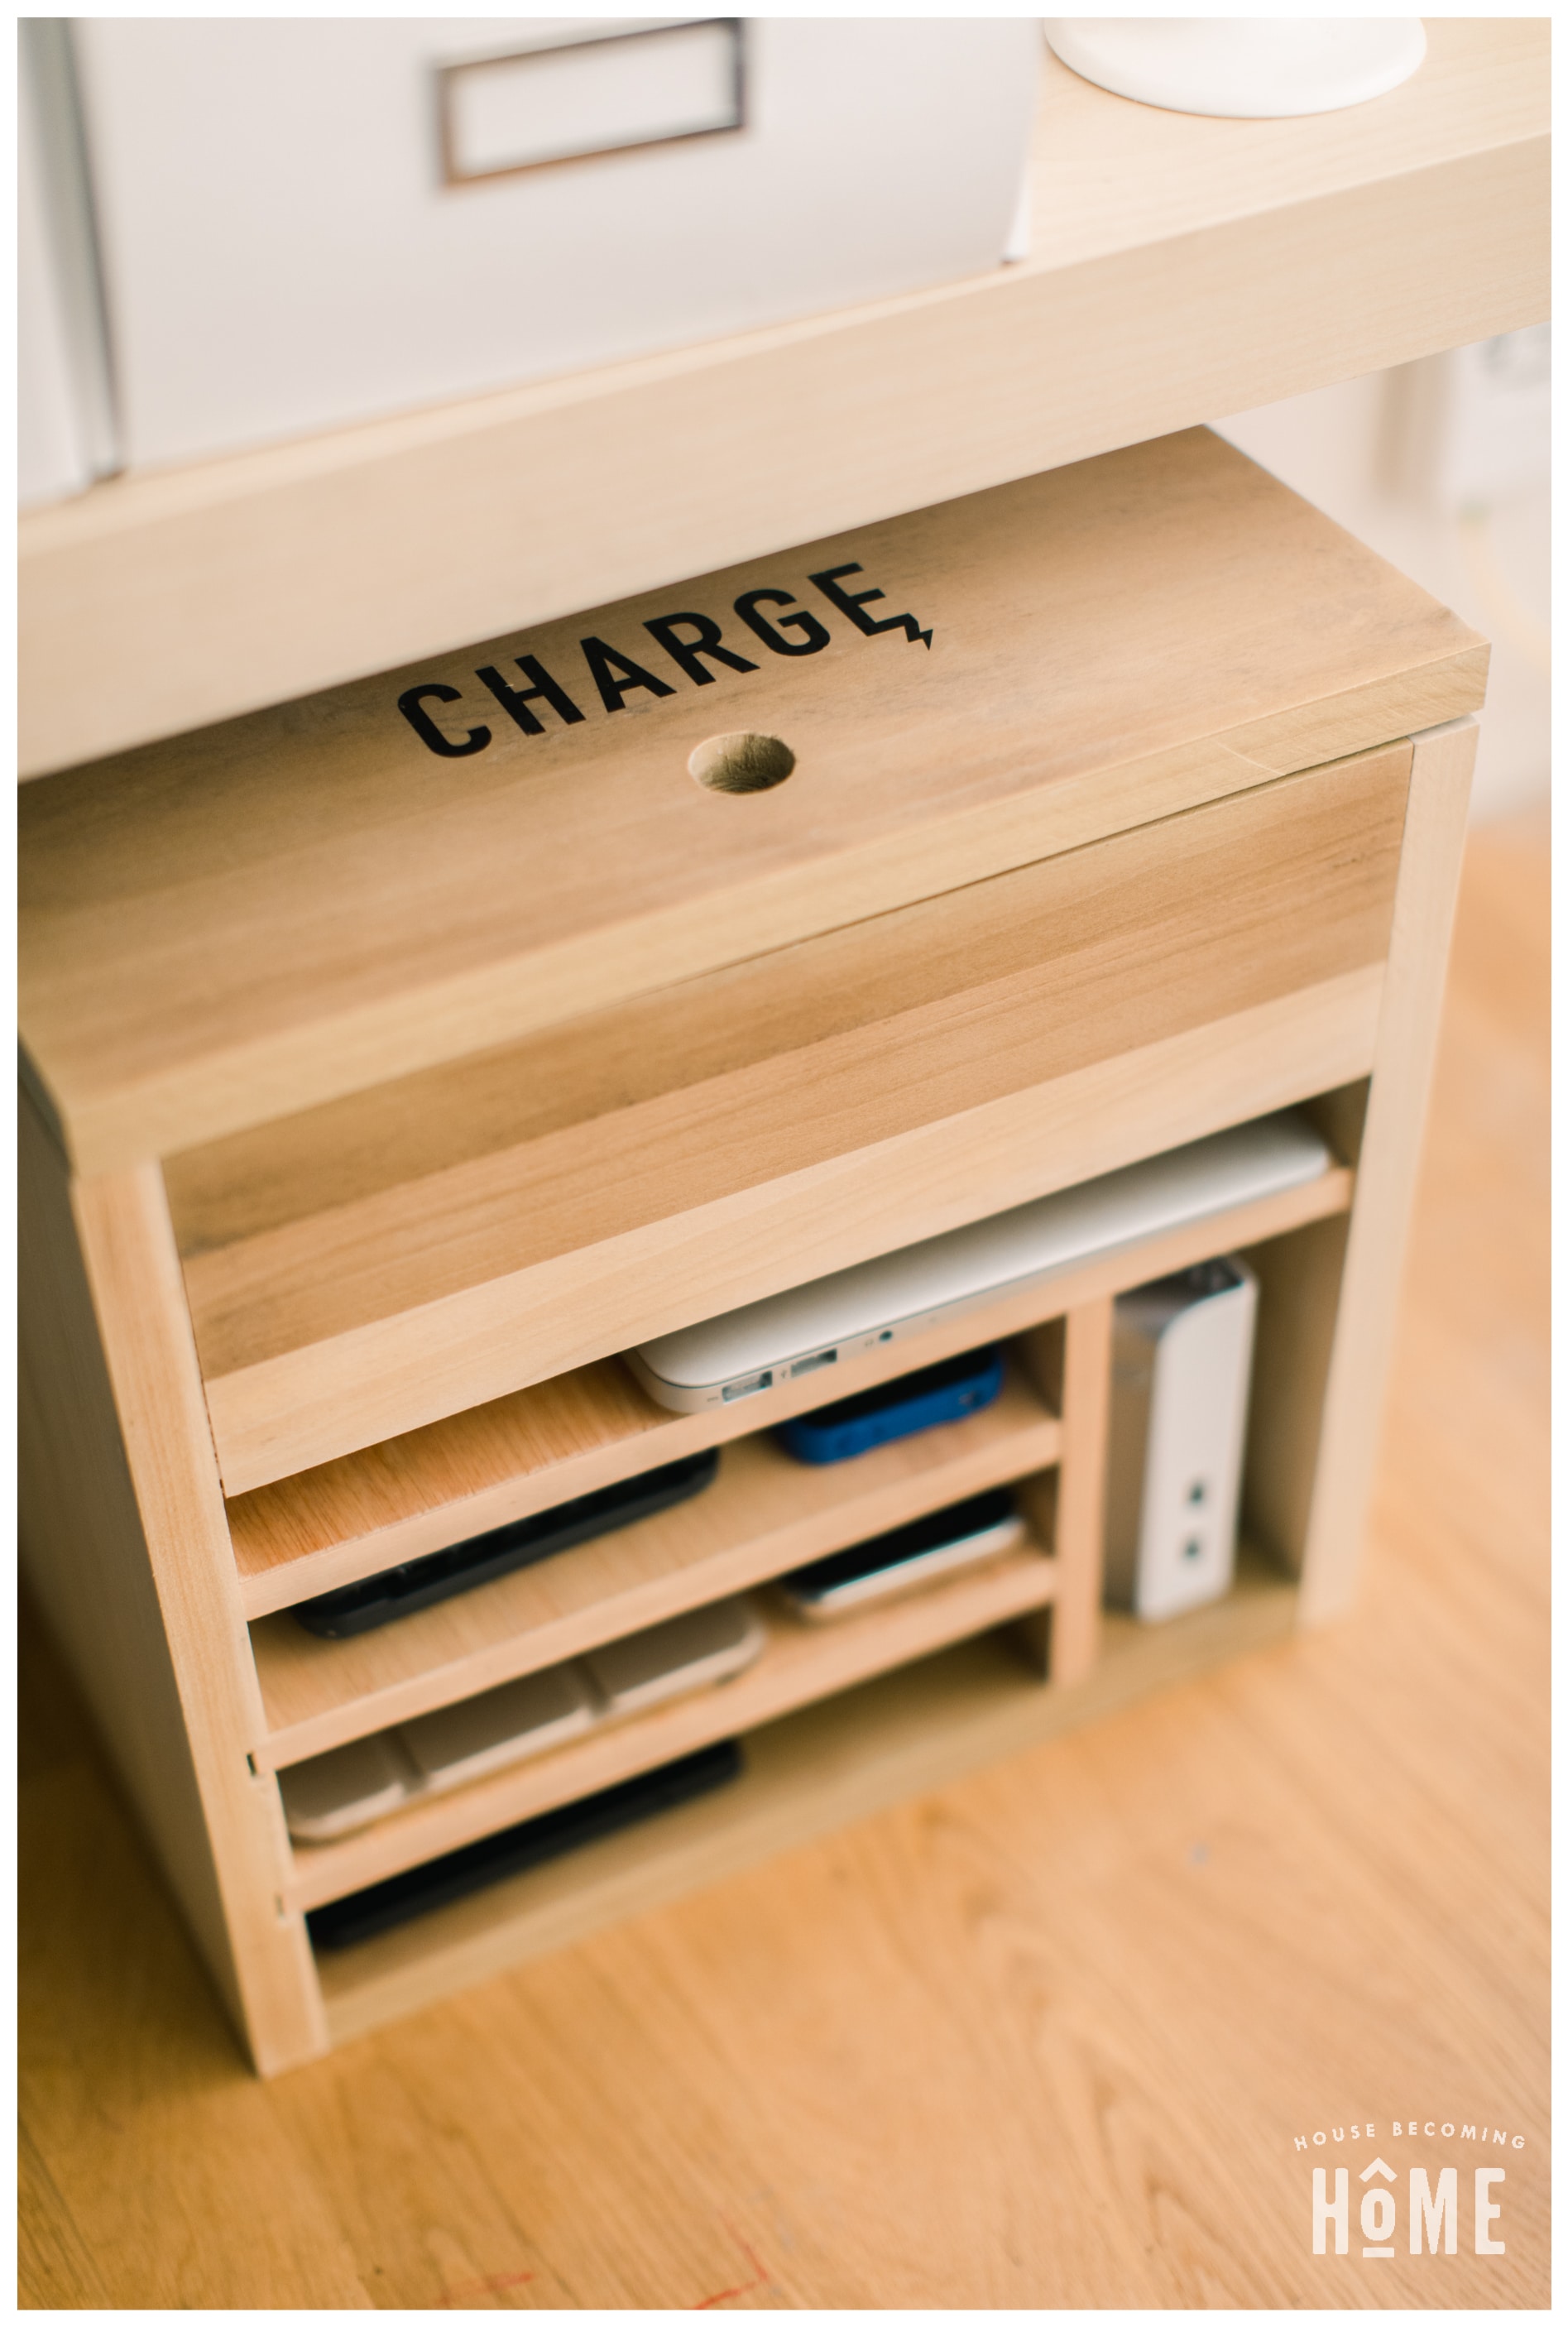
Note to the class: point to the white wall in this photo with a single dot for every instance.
(1360, 452)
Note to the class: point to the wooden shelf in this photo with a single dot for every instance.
(330, 1525)
(764, 1514)
(799, 1664)
(1181, 269)
(885, 1081)
(230, 937)
(855, 1753)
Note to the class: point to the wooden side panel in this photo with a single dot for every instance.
(1075, 1370)
(1299, 1279)
(1386, 1175)
(124, 1535)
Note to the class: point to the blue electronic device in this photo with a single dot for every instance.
(896, 1409)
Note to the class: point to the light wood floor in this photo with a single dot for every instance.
(1047, 2038)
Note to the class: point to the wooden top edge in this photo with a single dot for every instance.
(305, 902)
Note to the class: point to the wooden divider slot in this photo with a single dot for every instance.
(764, 1514)
(839, 1758)
(800, 1663)
(332, 1525)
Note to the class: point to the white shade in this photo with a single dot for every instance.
(1247, 67)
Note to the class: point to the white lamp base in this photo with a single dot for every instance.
(1244, 68)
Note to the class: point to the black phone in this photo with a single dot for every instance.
(440, 1881)
(481, 1558)
(905, 1558)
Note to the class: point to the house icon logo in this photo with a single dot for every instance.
(1419, 2209)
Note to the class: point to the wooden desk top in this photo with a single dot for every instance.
(1181, 270)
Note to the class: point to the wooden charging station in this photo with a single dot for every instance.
(394, 1058)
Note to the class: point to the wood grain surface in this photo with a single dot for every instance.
(810, 1092)
(1179, 268)
(1046, 2038)
(580, 1431)
(1048, 968)
(309, 1406)
(316, 902)
(121, 1527)
(764, 1513)
(1424, 906)
(800, 1663)
(838, 1044)
(823, 1767)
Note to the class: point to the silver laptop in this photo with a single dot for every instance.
(827, 1323)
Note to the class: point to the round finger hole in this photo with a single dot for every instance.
(742, 763)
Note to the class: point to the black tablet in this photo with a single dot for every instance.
(479, 1558)
(516, 1849)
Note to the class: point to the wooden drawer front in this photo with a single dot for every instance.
(366, 1267)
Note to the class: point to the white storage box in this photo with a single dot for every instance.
(309, 223)
(64, 428)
